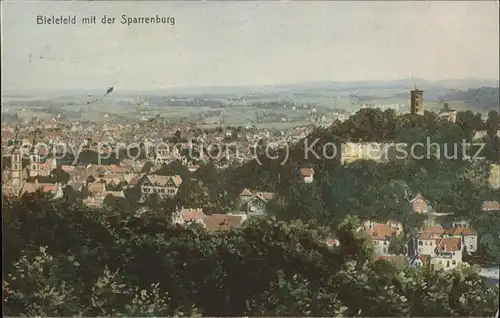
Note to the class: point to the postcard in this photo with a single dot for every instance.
(250, 158)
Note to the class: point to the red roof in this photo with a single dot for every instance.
(307, 172)
(266, 195)
(333, 242)
(436, 230)
(382, 232)
(460, 231)
(49, 188)
(222, 222)
(450, 244)
(425, 258)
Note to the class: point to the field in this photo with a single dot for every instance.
(326, 97)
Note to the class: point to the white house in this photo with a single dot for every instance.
(448, 254)
(419, 261)
(467, 235)
(186, 216)
(381, 236)
(443, 248)
(307, 174)
(427, 244)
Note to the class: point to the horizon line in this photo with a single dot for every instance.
(6, 91)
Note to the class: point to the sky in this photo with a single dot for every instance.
(247, 43)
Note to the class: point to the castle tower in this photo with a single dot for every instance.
(417, 101)
(16, 168)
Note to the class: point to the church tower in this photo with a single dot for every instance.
(34, 169)
(34, 165)
(16, 168)
(417, 101)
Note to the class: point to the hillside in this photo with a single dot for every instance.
(479, 99)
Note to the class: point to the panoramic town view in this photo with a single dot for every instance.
(238, 159)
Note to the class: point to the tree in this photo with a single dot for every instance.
(470, 122)
(296, 297)
(175, 168)
(207, 173)
(84, 193)
(117, 203)
(36, 286)
(291, 269)
(492, 140)
(397, 245)
(146, 168)
(133, 195)
(70, 195)
(59, 175)
(153, 201)
(90, 179)
(492, 123)
(302, 200)
(192, 194)
(488, 225)
(43, 274)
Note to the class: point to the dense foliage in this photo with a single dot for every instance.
(63, 259)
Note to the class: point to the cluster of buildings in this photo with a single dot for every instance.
(112, 140)
(28, 173)
(438, 246)
(443, 248)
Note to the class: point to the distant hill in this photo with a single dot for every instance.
(483, 98)
(326, 87)
(321, 90)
